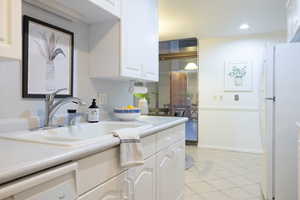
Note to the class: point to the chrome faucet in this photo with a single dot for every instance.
(52, 107)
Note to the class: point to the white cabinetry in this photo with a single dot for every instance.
(114, 189)
(143, 181)
(293, 20)
(90, 169)
(10, 29)
(170, 163)
(127, 49)
(100, 177)
(112, 6)
(150, 48)
(88, 11)
(56, 184)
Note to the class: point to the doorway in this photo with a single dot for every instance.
(176, 93)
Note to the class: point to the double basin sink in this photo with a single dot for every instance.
(81, 134)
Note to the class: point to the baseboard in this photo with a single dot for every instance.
(230, 149)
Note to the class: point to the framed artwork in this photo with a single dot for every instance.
(48, 53)
(238, 76)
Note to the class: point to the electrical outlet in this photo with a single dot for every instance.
(102, 98)
(236, 97)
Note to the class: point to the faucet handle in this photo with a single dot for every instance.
(58, 91)
(51, 96)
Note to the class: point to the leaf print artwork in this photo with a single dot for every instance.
(48, 63)
(49, 50)
(238, 74)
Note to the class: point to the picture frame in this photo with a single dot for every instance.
(238, 76)
(48, 53)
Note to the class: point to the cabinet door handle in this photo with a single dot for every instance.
(133, 68)
(62, 196)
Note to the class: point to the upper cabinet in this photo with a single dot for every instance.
(10, 29)
(293, 20)
(123, 35)
(127, 48)
(88, 11)
(139, 39)
(112, 6)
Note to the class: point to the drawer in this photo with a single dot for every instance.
(96, 169)
(116, 188)
(55, 184)
(169, 136)
(148, 146)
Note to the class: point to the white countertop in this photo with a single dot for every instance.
(19, 159)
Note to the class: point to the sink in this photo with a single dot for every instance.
(81, 134)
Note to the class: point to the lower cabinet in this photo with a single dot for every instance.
(59, 183)
(100, 177)
(114, 189)
(160, 178)
(142, 181)
(170, 172)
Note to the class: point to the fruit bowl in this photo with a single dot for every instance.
(127, 114)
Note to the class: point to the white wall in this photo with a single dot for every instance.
(13, 106)
(223, 122)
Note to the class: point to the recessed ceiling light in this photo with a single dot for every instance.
(244, 27)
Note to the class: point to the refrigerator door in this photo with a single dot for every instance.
(267, 125)
(287, 112)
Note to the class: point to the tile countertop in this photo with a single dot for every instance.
(19, 159)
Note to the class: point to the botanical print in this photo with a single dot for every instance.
(238, 76)
(49, 50)
(47, 59)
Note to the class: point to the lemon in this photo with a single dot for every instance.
(130, 107)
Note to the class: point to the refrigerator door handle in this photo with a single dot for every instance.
(271, 99)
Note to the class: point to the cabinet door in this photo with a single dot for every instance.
(170, 172)
(113, 6)
(150, 64)
(132, 25)
(293, 20)
(179, 165)
(142, 181)
(115, 189)
(10, 29)
(291, 8)
(59, 183)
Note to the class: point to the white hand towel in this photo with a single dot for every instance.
(131, 148)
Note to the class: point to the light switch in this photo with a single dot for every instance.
(102, 98)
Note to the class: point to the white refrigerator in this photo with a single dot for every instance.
(280, 109)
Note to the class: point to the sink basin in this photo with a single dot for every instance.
(81, 134)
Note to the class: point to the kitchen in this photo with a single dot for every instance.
(111, 51)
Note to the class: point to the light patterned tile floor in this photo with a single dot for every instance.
(222, 175)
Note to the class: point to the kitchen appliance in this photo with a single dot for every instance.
(280, 109)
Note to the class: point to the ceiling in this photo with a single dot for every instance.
(219, 18)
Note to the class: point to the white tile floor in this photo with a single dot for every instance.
(222, 175)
